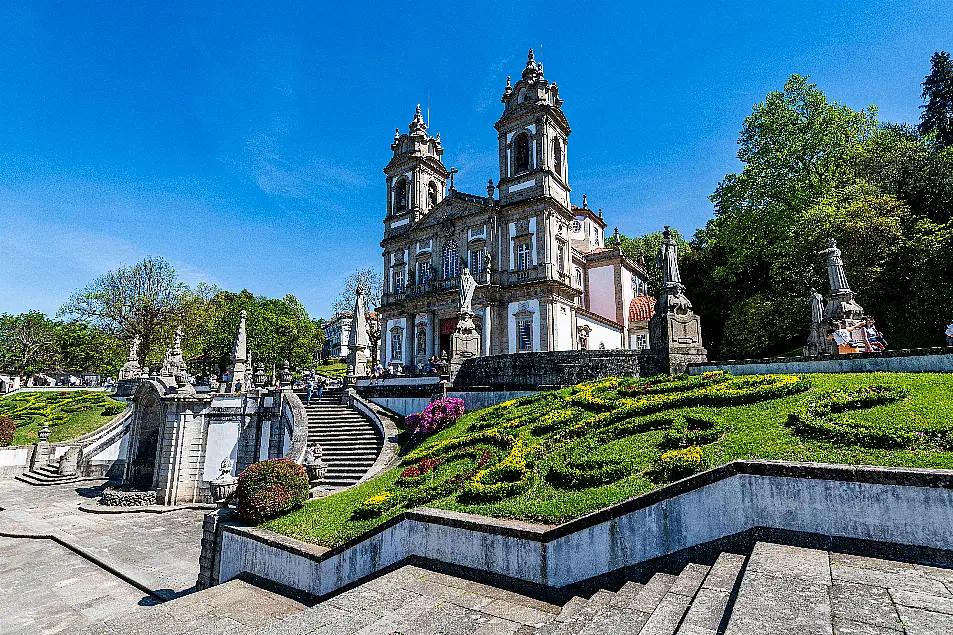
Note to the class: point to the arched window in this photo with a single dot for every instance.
(400, 195)
(431, 195)
(558, 158)
(521, 152)
(451, 260)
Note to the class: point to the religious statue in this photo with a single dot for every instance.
(467, 287)
(487, 262)
(817, 307)
(131, 369)
(667, 259)
(835, 268)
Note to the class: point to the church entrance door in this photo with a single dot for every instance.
(447, 327)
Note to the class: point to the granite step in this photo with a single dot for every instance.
(41, 479)
(784, 591)
(708, 612)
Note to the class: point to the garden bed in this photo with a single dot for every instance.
(558, 455)
(68, 414)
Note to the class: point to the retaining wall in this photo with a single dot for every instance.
(541, 370)
(908, 507)
(915, 360)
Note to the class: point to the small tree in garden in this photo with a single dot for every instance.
(7, 430)
(268, 489)
(438, 415)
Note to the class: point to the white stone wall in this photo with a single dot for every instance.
(564, 333)
(602, 291)
(600, 333)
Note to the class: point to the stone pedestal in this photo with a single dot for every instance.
(465, 343)
(676, 341)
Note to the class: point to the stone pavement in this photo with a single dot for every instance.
(158, 551)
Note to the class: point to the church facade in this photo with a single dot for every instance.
(546, 280)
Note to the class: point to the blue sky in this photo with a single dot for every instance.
(245, 142)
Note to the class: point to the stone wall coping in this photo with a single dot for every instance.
(896, 476)
(903, 352)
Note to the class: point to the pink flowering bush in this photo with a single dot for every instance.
(438, 415)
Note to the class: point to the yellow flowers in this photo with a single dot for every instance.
(682, 462)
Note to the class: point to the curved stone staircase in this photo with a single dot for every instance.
(351, 443)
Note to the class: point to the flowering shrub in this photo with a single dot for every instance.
(7, 429)
(682, 462)
(271, 488)
(508, 478)
(438, 415)
(114, 408)
(824, 418)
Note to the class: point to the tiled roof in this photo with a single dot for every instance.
(642, 308)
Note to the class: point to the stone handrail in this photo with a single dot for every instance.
(295, 417)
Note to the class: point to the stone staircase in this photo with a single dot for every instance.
(351, 443)
(46, 475)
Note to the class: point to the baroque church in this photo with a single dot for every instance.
(546, 280)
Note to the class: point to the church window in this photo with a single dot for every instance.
(476, 261)
(431, 195)
(451, 262)
(400, 196)
(423, 272)
(641, 341)
(578, 278)
(521, 152)
(397, 343)
(584, 341)
(558, 158)
(398, 280)
(561, 258)
(523, 260)
(524, 334)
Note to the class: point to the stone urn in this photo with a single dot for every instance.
(224, 485)
(314, 465)
(44, 433)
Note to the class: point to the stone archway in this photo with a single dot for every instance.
(144, 442)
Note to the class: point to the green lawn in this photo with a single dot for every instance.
(69, 414)
(334, 369)
(558, 455)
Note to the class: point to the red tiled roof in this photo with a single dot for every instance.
(642, 308)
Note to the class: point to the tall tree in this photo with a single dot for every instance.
(28, 343)
(85, 348)
(797, 148)
(937, 115)
(141, 300)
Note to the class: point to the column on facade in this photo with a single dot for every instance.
(487, 329)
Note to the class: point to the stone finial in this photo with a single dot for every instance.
(600, 212)
(615, 235)
(490, 189)
(585, 203)
(418, 126)
(396, 135)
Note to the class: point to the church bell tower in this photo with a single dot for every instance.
(416, 176)
(533, 138)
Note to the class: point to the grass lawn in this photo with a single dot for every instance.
(558, 455)
(69, 414)
(333, 369)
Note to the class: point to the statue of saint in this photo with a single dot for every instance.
(667, 259)
(817, 308)
(467, 287)
(835, 268)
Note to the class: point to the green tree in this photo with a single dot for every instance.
(28, 343)
(797, 148)
(937, 116)
(85, 348)
(145, 300)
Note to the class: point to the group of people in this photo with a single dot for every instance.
(862, 337)
(316, 384)
(949, 335)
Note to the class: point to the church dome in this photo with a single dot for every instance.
(642, 308)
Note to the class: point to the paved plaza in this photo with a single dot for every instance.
(46, 587)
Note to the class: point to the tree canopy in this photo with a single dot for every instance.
(937, 116)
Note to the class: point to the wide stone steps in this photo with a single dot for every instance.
(235, 607)
(350, 443)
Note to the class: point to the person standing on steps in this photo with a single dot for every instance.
(321, 387)
(310, 390)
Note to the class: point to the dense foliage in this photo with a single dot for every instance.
(559, 455)
(68, 414)
(270, 488)
(814, 169)
(937, 117)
